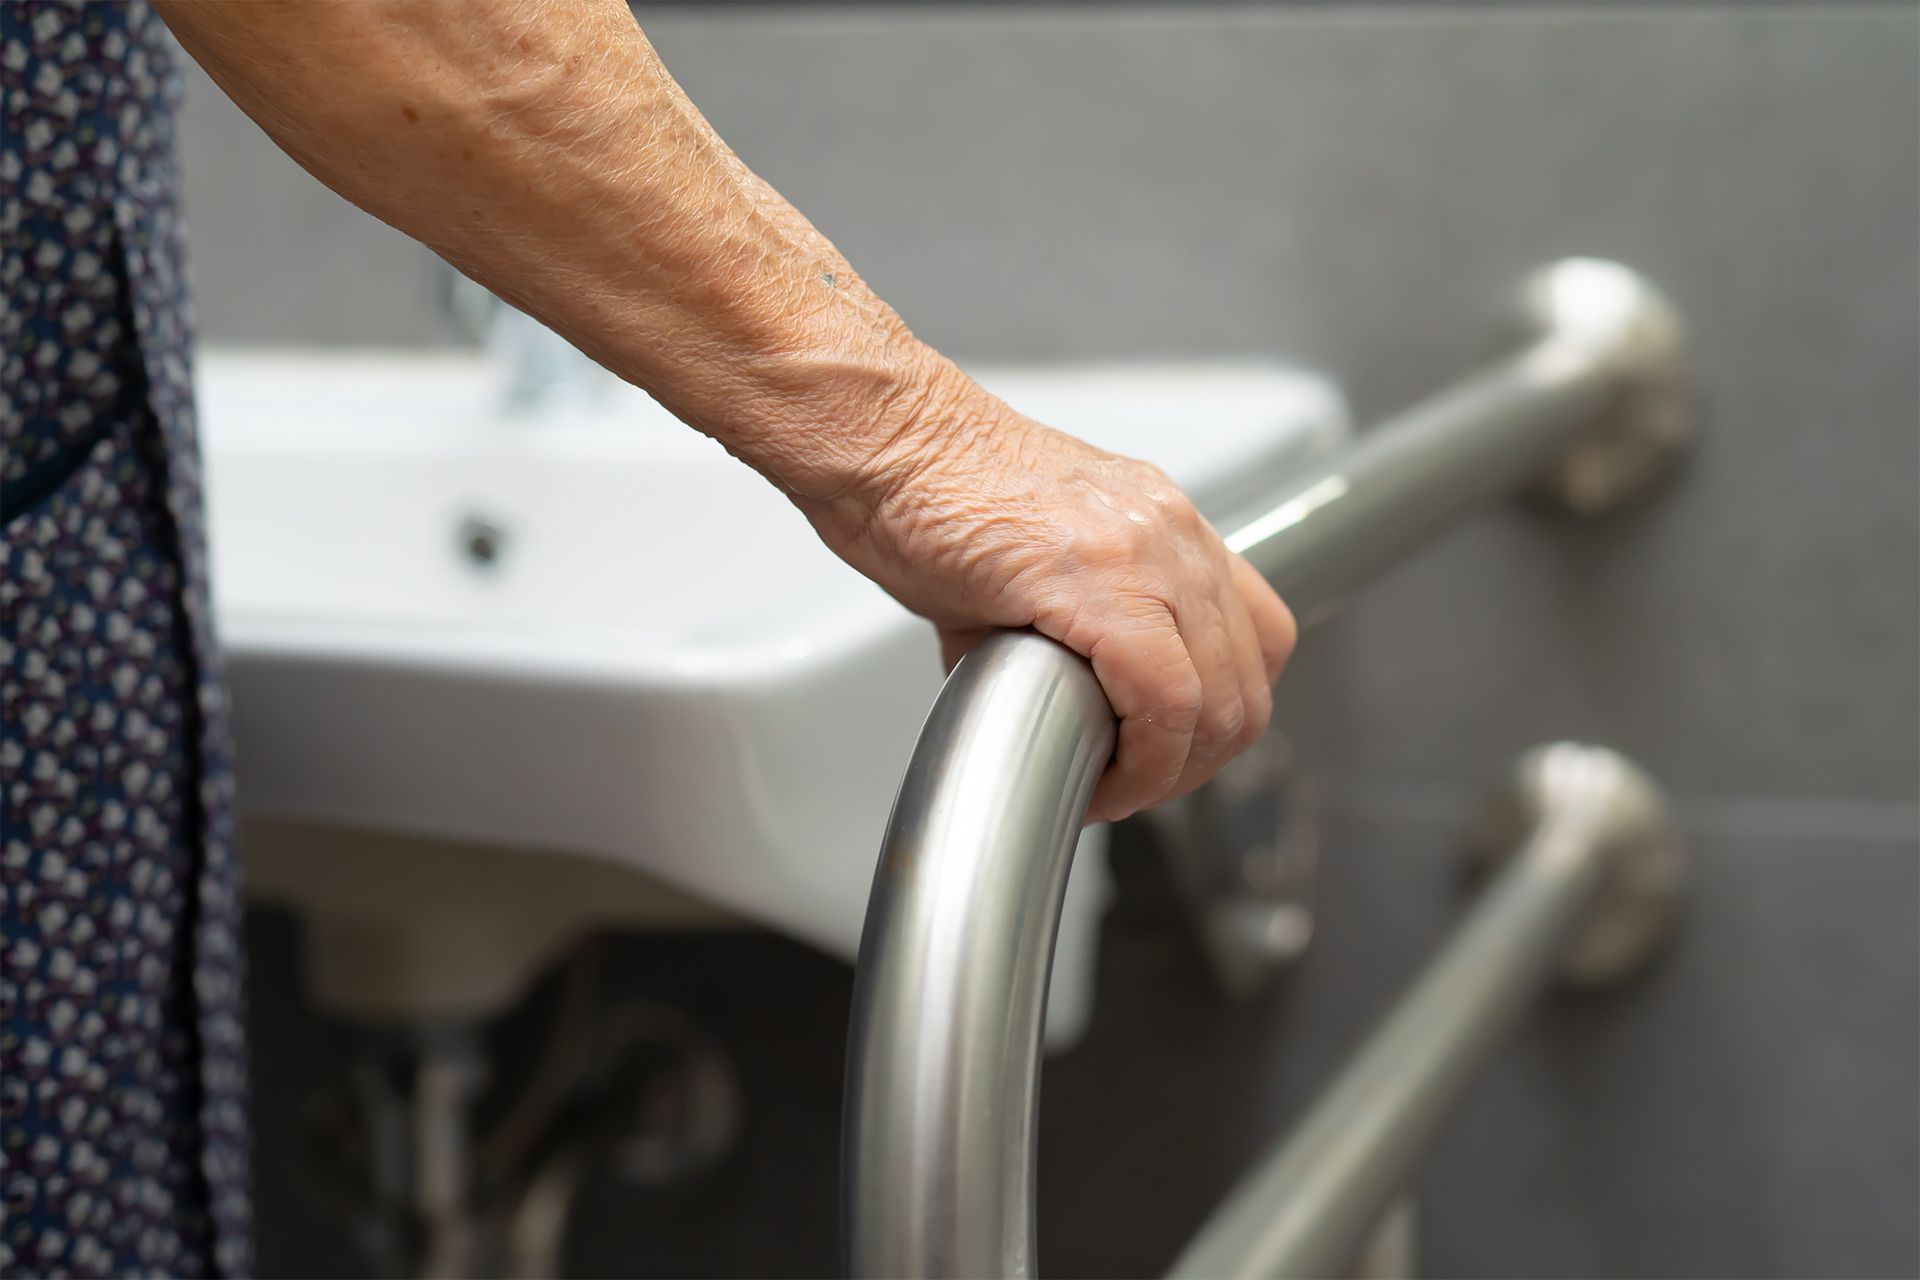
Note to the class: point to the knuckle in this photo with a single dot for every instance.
(1110, 543)
(1159, 488)
(1147, 475)
(1178, 508)
(1223, 721)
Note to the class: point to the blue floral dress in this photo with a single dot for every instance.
(122, 1076)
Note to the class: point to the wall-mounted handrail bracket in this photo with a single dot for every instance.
(1589, 868)
(1634, 843)
(1640, 438)
(944, 1057)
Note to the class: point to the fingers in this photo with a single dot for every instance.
(1273, 623)
(1192, 685)
(1219, 638)
(1240, 655)
(1250, 663)
(1149, 678)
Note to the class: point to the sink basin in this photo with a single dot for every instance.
(585, 630)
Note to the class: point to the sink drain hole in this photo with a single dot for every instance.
(482, 541)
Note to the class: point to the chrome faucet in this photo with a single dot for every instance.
(540, 367)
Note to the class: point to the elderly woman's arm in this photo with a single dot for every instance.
(541, 148)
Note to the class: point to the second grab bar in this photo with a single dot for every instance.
(950, 991)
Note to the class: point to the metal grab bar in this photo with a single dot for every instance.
(950, 992)
(1594, 873)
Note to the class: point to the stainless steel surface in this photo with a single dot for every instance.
(1614, 316)
(1392, 1250)
(450, 1077)
(1631, 911)
(1592, 411)
(943, 1073)
(1305, 1209)
(943, 1078)
(1240, 855)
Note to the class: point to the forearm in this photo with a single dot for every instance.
(542, 149)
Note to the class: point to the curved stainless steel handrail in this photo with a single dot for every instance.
(950, 998)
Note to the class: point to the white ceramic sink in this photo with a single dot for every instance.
(659, 665)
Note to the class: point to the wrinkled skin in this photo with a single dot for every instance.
(983, 518)
(542, 148)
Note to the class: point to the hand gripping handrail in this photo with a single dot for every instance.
(950, 992)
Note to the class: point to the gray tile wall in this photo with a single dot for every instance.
(1353, 188)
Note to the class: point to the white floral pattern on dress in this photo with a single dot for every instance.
(122, 1058)
(101, 1169)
